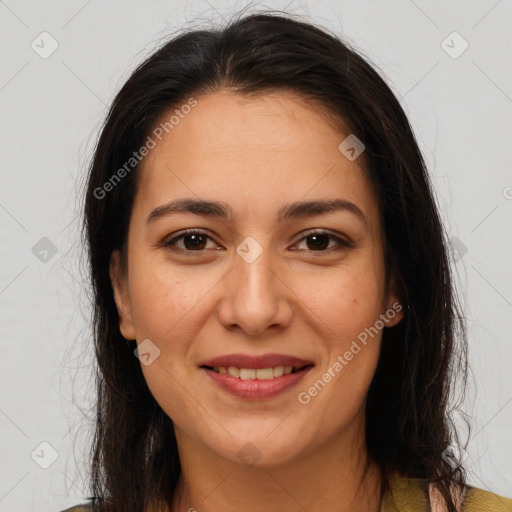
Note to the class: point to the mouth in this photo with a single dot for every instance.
(269, 373)
(256, 383)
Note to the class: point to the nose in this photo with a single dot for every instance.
(255, 297)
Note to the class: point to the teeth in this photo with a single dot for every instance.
(251, 373)
(233, 371)
(278, 371)
(247, 374)
(264, 373)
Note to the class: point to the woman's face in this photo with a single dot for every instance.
(255, 281)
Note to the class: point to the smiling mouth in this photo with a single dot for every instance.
(256, 373)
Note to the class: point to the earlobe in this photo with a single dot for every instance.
(121, 297)
(395, 309)
(394, 313)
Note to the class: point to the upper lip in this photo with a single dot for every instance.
(264, 361)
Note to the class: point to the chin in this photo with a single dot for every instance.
(261, 451)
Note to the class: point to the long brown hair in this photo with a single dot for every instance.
(134, 458)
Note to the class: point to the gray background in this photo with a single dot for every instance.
(51, 108)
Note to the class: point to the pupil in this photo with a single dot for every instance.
(318, 242)
(196, 241)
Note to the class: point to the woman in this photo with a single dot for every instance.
(275, 323)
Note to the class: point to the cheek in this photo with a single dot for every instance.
(344, 302)
(164, 300)
(164, 304)
(347, 307)
(168, 387)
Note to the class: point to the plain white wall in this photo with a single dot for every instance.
(460, 107)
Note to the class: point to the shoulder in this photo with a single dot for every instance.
(419, 495)
(472, 499)
(86, 507)
(479, 500)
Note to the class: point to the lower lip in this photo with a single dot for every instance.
(255, 388)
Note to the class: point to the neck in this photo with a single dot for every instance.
(337, 476)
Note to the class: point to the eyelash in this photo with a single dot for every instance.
(170, 244)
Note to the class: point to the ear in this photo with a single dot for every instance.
(120, 286)
(394, 312)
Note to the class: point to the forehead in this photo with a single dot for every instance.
(254, 152)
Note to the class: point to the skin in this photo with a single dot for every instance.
(258, 154)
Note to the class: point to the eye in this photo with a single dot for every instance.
(194, 240)
(320, 241)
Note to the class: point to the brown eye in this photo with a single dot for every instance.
(193, 241)
(319, 241)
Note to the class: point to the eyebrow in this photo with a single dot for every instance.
(224, 211)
